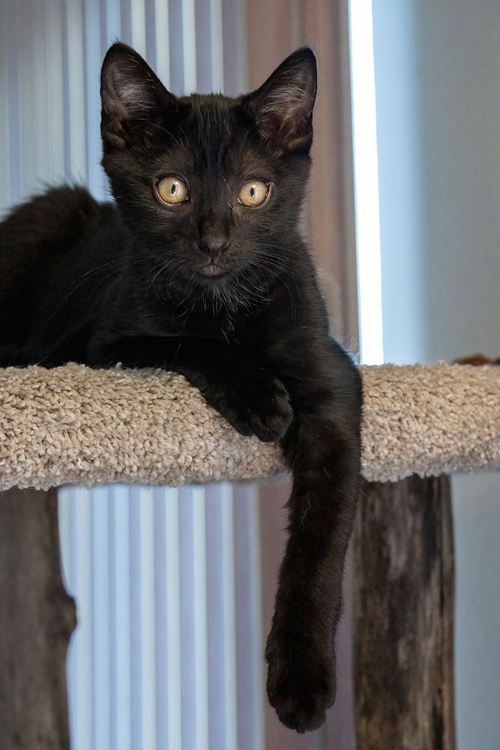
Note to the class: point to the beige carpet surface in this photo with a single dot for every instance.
(73, 425)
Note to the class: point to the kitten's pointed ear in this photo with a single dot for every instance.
(132, 96)
(282, 107)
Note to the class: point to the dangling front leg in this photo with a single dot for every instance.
(323, 450)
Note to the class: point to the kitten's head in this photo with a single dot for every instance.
(210, 186)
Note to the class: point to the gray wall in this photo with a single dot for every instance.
(438, 115)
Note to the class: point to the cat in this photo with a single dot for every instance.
(199, 267)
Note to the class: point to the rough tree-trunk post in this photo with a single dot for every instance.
(37, 618)
(403, 614)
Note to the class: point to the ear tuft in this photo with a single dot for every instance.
(131, 95)
(282, 107)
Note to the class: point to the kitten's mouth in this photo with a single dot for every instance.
(211, 270)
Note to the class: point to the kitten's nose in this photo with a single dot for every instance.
(214, 237)
(213, 246)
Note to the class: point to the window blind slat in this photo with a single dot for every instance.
(74, 110)
(248, 611)
(221, 630)
(121, 675)
(193, 601)
(54, 42)
(189, 45)
(145, 499)
(101, 636)
(161, 43)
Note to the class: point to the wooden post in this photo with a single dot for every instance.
(37, 618)
(403, 614)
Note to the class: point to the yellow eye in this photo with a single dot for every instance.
(172, 190)
(253, 194)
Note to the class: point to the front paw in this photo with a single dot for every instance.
(260, 406)
(301, 679)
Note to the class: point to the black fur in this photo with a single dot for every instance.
(99, 284)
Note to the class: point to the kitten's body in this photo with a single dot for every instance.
(221, 292)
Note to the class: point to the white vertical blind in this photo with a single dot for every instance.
(168, 651)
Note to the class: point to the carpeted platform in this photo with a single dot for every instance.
(81, 426)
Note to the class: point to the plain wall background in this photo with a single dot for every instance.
(437, 67)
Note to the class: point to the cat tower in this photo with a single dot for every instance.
(81, 426)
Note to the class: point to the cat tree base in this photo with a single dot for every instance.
(37, 618)
(404, 616)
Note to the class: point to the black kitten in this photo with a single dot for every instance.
(200, 268)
